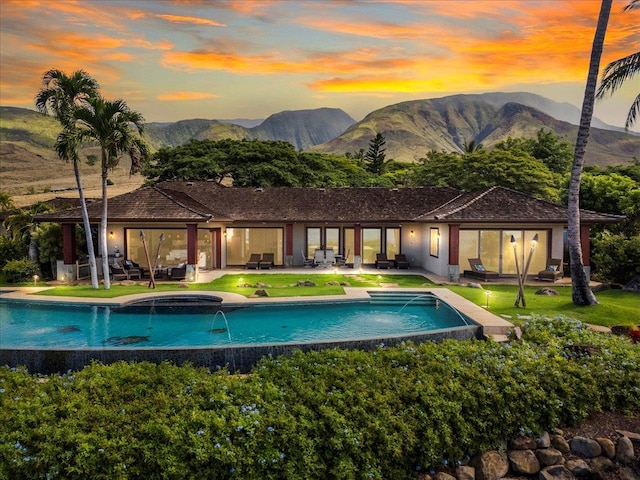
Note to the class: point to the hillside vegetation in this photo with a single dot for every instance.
(414, 128)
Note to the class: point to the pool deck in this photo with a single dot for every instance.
(492, 325)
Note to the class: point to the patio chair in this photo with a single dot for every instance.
(306, 261)
(553, 271)
(267, 260)
(179, 272)
(479, 271)
(321, 258)
(117, 272)
(382, 261)
(254, 261)
(401, 261)
(133, 269)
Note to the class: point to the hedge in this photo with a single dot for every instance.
(333, 414)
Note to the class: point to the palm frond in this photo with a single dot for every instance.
(615, 74)
(633, 4)
(633, 113)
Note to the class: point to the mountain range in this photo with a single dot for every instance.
(411, 129)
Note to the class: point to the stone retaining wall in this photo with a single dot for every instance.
(553, 457)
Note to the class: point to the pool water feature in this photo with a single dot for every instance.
(151, 331)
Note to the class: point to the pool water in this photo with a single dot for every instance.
(80, 327)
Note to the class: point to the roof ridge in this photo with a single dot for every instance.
(465, 205)
(193, 210)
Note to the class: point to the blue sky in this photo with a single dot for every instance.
(174, 60)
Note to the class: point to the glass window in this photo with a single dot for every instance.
(205, 249)
(172, 250)
(242, 242)
(371, 244)
(393, 242)
(469, 247)
(332, 239)
(434, 242)
(314, 240)
(490, 249)
(349, 244)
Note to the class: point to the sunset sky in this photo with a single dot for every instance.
(181, 59)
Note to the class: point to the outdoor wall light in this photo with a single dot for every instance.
(111, 235)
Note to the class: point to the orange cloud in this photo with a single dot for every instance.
(193, 20)
(180, 96)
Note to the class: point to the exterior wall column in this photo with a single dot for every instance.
(216, 238)
(454, 252)
(288, 245)
(357, 246)
(192, 252)
(66, 270)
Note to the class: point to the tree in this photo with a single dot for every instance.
(473, 171)
(375, 156)
(61, 95)
(581, 293)
(618, 71)
(109, 123)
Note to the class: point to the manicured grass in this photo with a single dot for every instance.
(277, 285)
(616, 307)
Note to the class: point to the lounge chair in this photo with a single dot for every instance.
(133, 269)
(553, 271)
(479, 271)
(254, 261)
(401, 261)
(178, 273)
(117, 272)
(267, 260)
(382, 261)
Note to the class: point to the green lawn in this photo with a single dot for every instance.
(616, 307)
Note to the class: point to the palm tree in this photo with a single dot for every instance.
(618, 71)
(61, 95)
(472, 146)
(581, 293)
(109, 124)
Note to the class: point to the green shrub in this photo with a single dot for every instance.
(23, 270)
(12, 249)
(616, 257)
(340, 414)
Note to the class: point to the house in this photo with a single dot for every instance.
(208, 226)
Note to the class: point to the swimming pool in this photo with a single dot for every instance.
(216, 334)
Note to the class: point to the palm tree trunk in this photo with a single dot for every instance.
(581, 293)
(93, 268)
(103, 224)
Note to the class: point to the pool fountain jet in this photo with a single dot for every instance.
(220, 330)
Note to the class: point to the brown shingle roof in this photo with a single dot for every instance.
(201, 201)
(504, 205)
(315, 204)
